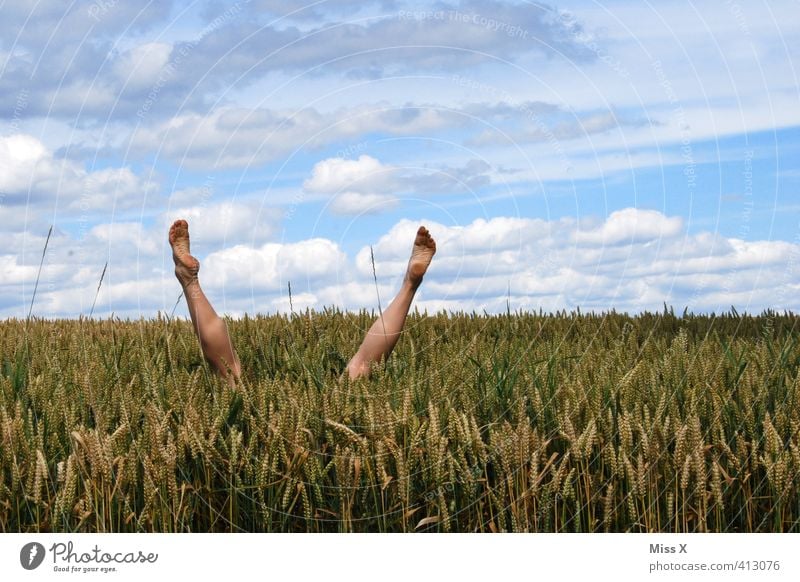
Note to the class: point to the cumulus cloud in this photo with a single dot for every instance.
(243, 84)
(532, 263)
(225, 222)
(368, 186)
(124, 240)
(631, 225)
(358, 186)
(31, 176)
(19, 155)
(138, 256)
(365, 174)
(636, 259)
(12, 273)
(476, 247)
(268, 268)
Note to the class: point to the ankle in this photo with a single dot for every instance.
(191, 287)
(412, 284)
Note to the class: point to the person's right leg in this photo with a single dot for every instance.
(210, 328)
(384, 333)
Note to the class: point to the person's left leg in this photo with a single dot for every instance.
(210, 328)
(384, 333)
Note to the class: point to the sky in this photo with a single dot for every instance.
(592, 155)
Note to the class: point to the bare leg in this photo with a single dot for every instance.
(210, 328)
(384, 333)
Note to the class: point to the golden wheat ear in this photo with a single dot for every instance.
(596, 422)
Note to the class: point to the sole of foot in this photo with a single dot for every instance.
(186, 266)
(421, 256)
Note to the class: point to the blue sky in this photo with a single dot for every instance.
(581, 154)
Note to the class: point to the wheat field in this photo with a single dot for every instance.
(520, 422)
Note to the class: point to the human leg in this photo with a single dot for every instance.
(384, 333)
(210, 328)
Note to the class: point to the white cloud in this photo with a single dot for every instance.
(368, 186)
(478, 247)
(334, 175)
(633, 260)
(246, 91)
(140, 67)
(110, 188)
(268, 268)
(19, 154)
(12, 273)
(631, 225)
(126, 237)
(226, 222)
(30, 175)
(125, 297)
(362, 186)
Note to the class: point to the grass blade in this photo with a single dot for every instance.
(103, 274)
(39, 274)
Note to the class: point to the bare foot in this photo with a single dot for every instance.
(186, 266)
(421, 255)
